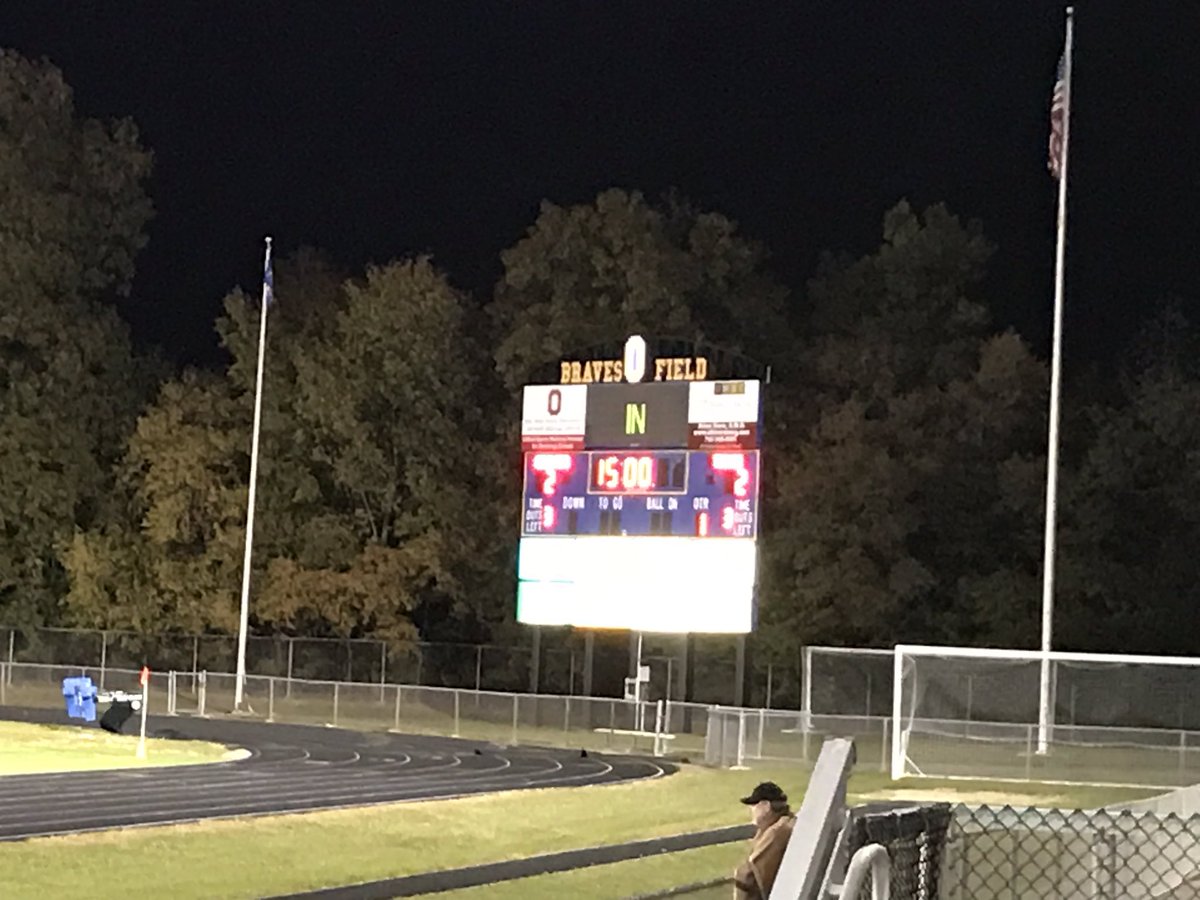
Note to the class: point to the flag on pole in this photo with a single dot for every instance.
(1058, 111)
(268, 278)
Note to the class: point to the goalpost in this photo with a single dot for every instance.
(971, 712)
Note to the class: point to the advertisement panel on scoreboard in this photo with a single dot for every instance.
(723, 414)
(553, 416)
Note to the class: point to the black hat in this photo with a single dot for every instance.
(768, 790)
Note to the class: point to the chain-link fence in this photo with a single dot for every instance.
(982, 853)
(915, 840)
(599, 723)
(564, 663)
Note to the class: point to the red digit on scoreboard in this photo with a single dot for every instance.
(549, 466)
(734, 463)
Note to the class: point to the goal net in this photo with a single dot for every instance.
(847, 681)
(962, 712)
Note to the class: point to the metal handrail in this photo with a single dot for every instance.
(872, 858)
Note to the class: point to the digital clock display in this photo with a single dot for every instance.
(638, 473)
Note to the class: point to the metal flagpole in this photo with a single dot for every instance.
(1045, 712)
(243, 623)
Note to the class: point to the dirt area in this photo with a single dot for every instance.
(973, 797)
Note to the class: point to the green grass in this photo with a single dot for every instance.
(283, 854)
(26, 749)
(948, 756)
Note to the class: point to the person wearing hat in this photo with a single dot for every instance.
(773, 819)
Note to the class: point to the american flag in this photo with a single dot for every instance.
(1058, 113)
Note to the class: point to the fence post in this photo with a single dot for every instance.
(658, 728)
(396, 726)
(762, 714)
(103, 656)
(3, 683)
(202, 701)
(478, 670)
(291, 648)
(195, 658)
(1182, 757)
(516, 703)
(741, 751)
(456, 715)
(770, 673)
(335, 704)
(885, 751)
(612, 720)
(806, 686)
(567, 713)
(271, 699)
(1028, 752)
(171, 692)
(12, 643)
(382, 668)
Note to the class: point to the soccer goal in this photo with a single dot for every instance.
(846, 681)
(972, 713)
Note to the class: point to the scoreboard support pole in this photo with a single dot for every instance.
(739, 675)
(688, 688)
(638, 695)
(535, 662)
(589, 658)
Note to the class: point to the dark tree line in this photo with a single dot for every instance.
(905, 463)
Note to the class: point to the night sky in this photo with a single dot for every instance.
(374, 130)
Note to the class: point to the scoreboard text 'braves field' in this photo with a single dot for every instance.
(641, 497)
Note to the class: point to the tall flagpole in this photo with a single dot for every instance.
(1045, 711)
(244, 621)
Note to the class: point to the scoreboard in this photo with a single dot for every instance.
(640, 504)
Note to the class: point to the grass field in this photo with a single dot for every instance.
(26, 749)
(291, 853)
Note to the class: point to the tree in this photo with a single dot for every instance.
(1131, 510)
(174, 560)
(390, 399)
(589, 274)
(894, 508)
(72, 214)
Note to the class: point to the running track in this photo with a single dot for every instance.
(291, 768)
